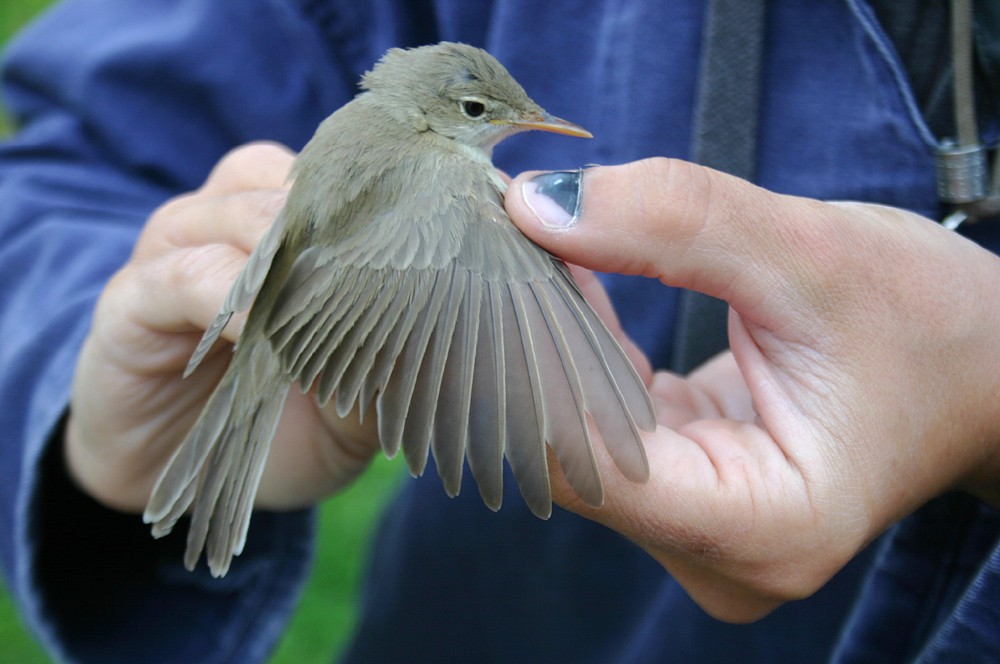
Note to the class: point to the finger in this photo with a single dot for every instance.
(698, 516)
(178, 292)
(237, 220)
(678, 401)
(684, 224)
(262, 165)
(721, 381)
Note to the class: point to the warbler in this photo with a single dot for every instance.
(393, 275)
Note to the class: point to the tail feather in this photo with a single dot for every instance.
(241, 504)
(217, 469)
(172, 493)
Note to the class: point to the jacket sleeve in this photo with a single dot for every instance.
(122, 105)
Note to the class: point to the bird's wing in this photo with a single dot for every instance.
(243, 291)
(472, 340)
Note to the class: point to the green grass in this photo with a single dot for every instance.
(13, 15)
(324, 618)
(16, 646)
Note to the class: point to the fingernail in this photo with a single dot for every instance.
(554, 197)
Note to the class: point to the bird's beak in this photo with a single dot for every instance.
(545, 122)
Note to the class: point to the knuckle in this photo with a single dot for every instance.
(827, 257)
(184, 270)
(261, 164)
(666, 209)
(248, 154)
(117, 288)
(162, 219)
(675, 190)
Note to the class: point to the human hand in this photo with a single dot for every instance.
(862, 380)
(130, 407)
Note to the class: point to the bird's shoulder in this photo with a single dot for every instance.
(375, 193)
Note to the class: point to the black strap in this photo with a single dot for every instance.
(725, 138)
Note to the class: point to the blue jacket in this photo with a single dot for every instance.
(125, 104)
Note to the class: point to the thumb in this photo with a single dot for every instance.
(684, 224)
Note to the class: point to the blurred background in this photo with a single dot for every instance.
(326, 613)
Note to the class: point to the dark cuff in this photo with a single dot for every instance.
(110, 592)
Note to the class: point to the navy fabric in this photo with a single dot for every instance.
(125, 104)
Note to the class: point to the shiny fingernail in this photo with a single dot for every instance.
(554, 197)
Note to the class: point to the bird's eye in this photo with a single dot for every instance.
(473, 108)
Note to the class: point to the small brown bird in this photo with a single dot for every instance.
(394, 274)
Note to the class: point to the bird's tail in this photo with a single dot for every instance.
(218, 467)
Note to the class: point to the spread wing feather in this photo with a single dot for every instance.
(393, 405)
(385, 358)
(363, 362)
(488, 415)
(364, 334)
(602, 395)
(562, 399)
(451, 422)
(525, 447)
(472, 341)
(418, 427)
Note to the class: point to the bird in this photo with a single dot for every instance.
(393, 276)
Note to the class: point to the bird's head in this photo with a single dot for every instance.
(460, 92)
